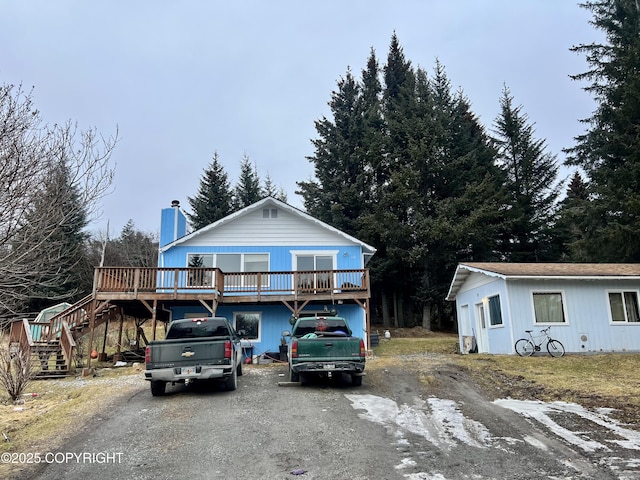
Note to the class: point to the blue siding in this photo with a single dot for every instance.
(280, 257)
(587, 328)
(275, 319)
(173, 225)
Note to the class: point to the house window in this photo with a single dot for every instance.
(323, 264)
(495, 311)
(248, 325)
(200, 278)
(269, 213)
(624, 307)
(548, 307)
(228, 263)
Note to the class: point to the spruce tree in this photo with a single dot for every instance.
(247, 191)
(271, 190)
(532, 183)
(569, 231)
(609, 150)
(336, 194)
(214, 199)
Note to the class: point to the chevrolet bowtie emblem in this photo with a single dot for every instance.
(188, 354)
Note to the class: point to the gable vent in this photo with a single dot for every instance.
(269, 213)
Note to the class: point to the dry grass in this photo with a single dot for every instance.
(592, 380)
(53, 410)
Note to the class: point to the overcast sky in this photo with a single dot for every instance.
(183, 79)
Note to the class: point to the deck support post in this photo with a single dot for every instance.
(154, 319)
(92, 324)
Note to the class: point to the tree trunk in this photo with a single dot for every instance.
(386, 321)
(426, 316)
(395, 310)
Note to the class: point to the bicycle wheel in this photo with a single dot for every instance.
(525, 348)
(555, 348)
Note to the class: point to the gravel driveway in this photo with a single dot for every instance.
(394, 426)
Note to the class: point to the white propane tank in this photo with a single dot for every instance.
(387, 335)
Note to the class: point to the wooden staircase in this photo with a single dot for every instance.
(52, 345)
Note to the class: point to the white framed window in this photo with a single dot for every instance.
(495, 310)
(248, 325)
(228, 263)
(322, 262)
(623, 306)
(548, 307)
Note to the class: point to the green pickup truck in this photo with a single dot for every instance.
(325, 346)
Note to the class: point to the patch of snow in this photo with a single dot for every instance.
(440, 422)
(534, 442)
(406, 462)
(537, 410)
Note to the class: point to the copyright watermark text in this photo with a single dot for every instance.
(61, 457)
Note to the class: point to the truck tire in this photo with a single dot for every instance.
(356, 380)
(231, 383)
(293, 376)
(158, 387)
(240, 369)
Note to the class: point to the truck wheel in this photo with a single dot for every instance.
(356, 380)
(158, 387)
(231, 383)
(293, 376)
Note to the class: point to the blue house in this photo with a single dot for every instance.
(260, 267)
(590, 307)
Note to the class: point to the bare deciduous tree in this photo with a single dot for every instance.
(35, 206)
(15, 370)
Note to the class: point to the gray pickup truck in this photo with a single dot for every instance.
(194, 349)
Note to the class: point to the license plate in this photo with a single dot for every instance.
(188, 370)
(329, 366)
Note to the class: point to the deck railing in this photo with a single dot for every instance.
(198, 280)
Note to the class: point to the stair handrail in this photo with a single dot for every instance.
(77, 311)
(21, 332)
(68, 344)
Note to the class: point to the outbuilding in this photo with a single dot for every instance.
(591, 307)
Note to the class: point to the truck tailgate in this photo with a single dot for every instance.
(174, 353)
(328, 348)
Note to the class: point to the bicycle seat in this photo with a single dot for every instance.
(528, 331)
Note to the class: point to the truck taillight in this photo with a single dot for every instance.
(147, 354)
(294, 349)
(363, 351)
(227, 349)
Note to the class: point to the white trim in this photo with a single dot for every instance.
(563, 298)
(499, 325)
(259, 313)
(608, 303)
(315, 253)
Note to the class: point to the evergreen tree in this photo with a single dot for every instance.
(214, 198)
(569, 230)
(270, 190)
(336, 195)
(531, 182)
(247, 190)
(609, 151)
(66, 241)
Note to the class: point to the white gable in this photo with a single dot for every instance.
(269, 222)
(269, 226)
